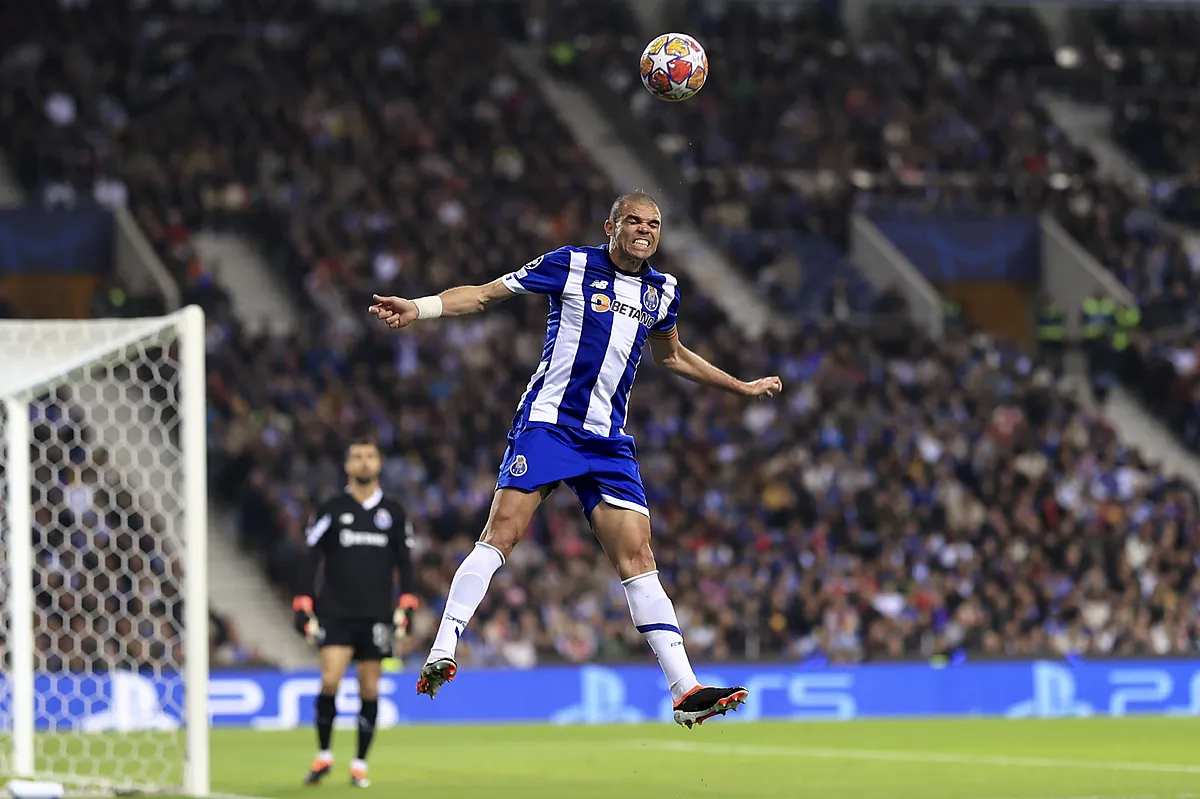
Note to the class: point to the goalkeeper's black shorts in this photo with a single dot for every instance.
(370, 640)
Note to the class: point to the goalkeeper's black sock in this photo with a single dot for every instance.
(366, 725)
(326, 713)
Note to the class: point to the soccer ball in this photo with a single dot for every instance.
(674, 67)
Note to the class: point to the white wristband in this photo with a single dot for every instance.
(428, 307)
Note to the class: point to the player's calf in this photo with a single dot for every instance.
(702, 703)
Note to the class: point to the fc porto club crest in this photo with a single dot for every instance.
(383, 519)
(650, 299)
(519, 466)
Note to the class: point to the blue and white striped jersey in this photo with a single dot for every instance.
(598, 323)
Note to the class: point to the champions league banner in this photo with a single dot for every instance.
(596, 694)
(951, 249)
(34, 241)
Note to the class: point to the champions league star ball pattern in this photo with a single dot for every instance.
(674, 67)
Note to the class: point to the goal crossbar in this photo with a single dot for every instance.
(26, 372)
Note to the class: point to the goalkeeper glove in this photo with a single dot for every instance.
(403, 614)
(304, 619)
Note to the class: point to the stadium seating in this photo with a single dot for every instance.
(893, 503)
(1152, 261)
(1153, 77)
(933, 108)
(1138, 62)
(932, 111)
(904, 497)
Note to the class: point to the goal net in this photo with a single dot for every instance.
(104, 627)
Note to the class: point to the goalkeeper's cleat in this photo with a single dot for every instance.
(322, 764)
(701, 703)
(358, 774)
(435, 674)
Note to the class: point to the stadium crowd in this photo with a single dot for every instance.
(1150, 88)
(932, 110)
(1137, 60)
(929, 109)
(904, 497)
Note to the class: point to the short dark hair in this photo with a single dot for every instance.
(636, 196)
(360, 441)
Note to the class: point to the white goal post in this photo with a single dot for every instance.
(104, 626)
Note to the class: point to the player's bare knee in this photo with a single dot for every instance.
(501, 534)
(329, 686)
(510, 515)
(635, 559)
(504, 528)
(368, 679)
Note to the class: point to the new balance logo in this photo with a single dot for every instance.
(600, 284)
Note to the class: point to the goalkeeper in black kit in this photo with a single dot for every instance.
(362, 608)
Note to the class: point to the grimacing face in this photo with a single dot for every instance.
(636, 231)
(363, 463)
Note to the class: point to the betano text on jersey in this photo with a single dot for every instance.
(598, 323)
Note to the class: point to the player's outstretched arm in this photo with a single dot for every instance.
(690, 366)
(398, 312)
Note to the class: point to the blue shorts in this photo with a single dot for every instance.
(597, 469)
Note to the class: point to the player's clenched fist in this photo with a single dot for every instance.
(764, 387)
(395, 312)
(305, 621)
(402, 616)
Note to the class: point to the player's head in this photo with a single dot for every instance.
(633, 226)
(363, 461)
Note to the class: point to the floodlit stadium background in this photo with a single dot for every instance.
(963, 236)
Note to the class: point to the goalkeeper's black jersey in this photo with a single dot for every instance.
(362, 547)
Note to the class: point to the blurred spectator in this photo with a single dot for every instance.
(227, 647)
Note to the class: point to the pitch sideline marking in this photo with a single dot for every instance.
(1121, 796)
(908, 757)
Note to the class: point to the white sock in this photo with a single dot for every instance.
(654, 616)
(467, 590)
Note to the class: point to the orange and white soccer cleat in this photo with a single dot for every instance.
(322, 764)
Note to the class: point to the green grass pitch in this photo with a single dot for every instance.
(1097, 758)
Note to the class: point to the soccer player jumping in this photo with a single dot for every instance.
(570, 428)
